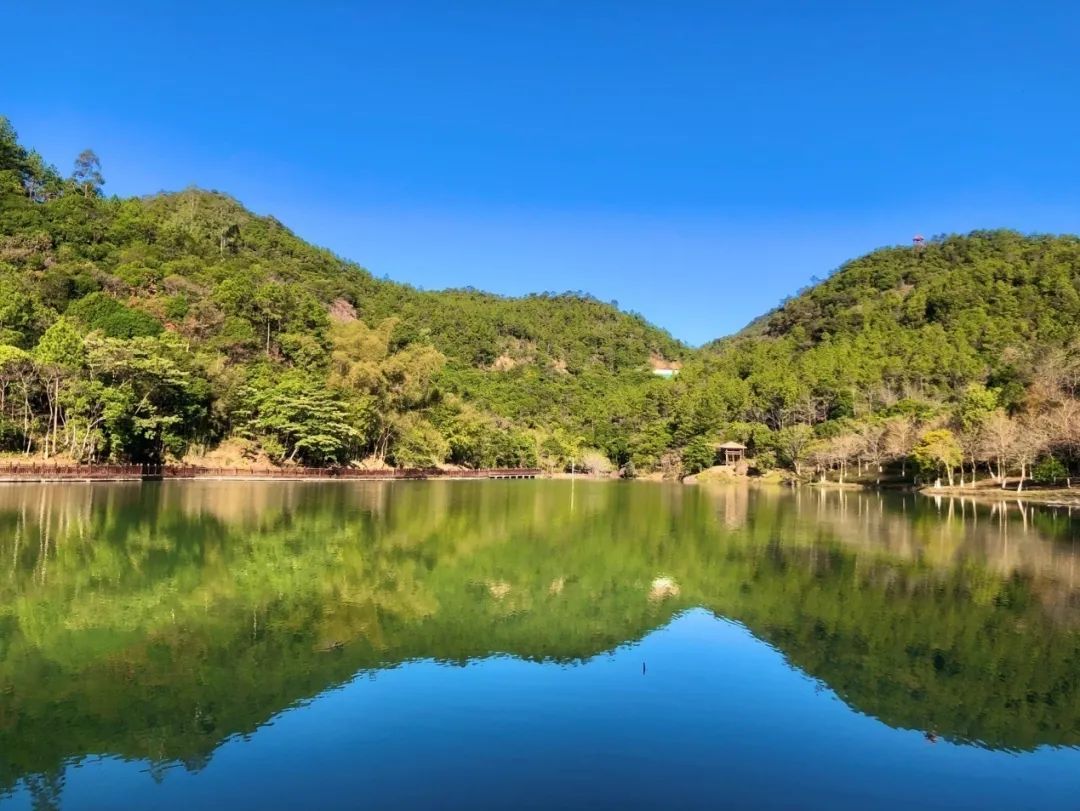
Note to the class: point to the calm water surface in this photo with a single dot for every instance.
(445, 645)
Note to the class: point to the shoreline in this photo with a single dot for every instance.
(40, 473)
(1057, 497)
(1054, 497)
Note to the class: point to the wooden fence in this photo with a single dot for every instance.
(43, 470)
(192, 472)
(37, 471)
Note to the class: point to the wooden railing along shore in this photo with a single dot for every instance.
(43, 471)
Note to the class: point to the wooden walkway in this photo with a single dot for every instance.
(42, 471)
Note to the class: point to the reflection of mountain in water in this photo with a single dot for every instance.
(153, 622)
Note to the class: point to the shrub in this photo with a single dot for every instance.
(697, 456)
(1048, 470)
(593, 461)
(98, 311)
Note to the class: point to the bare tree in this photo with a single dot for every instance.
(844, 448)
(1031, 441)
(872, 445)
(1062, 425)
(971, 446)
(820, 454)
(998, 437)
(900, 437)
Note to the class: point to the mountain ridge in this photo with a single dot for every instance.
(154, 327)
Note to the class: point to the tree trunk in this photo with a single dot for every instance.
(56, 415)
(26, 419)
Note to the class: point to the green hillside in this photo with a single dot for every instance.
(204, 322)
(973, 335)
(150, 328)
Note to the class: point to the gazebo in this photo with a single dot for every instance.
(731, 452)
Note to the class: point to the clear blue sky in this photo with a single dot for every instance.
(694, 161)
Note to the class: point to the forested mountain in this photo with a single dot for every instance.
(972, 340)
(148, 328)
(138, 328)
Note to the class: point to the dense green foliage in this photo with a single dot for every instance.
(920, 323)
(300, 354)
(295, 355)
(946, 336)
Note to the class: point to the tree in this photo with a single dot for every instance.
(938, 450)
(417, 443)
(87, 175)
(17, 377)
(872, 444)
(41, 180)
(150, 401)
(595, 463)
(59, 355)
(1029, 444)
(271, 302)
(25, 180)
(229, 239)
(1062, 425)
(999, 433)
(791, 443)
(844, 447)
(19, 315)
(977, 404)
(698, 455)
(310, 424)
(12, 154)
(971, 442)
(1048, 470)
(821, 454)
(395, 383)
(974, 409)
(901, 435)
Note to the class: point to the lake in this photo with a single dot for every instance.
(533, 644)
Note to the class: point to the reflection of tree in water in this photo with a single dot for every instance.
(172, 617)
(45, 790)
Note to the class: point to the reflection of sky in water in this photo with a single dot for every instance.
(162, 621)
(717, 720)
